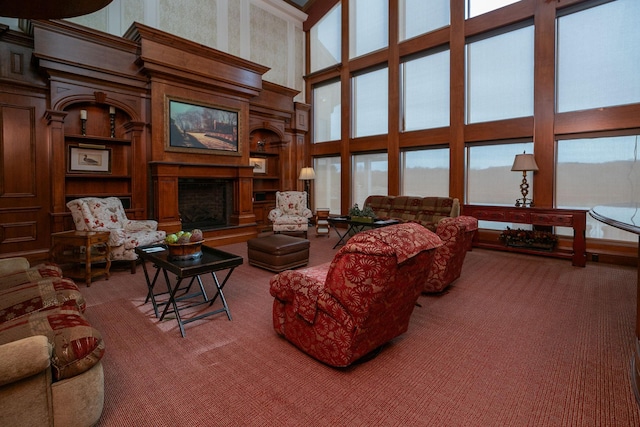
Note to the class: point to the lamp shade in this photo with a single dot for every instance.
(524, 162)
(307, 174)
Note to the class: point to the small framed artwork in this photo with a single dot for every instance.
(259, 164)
(89, 160)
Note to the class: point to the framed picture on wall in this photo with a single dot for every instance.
(89, 160)
(259, 164)
(192, 126)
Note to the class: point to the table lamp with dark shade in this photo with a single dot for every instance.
(524, 162)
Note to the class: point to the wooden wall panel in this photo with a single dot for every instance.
(17, 149)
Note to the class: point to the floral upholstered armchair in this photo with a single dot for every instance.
(95, 214)
(343, 310)
(456, 234)
(291, 213)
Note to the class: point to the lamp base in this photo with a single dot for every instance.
(524, 203)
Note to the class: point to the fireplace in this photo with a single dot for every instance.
(205, 203)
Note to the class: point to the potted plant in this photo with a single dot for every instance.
(529, 238)
(365, 214)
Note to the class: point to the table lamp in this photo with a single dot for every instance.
(524, 162)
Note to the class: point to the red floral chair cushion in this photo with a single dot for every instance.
(456, 234)
(341, 311)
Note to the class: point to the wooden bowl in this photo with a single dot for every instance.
(185, 251)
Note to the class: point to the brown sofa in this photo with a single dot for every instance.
(427, 211)
(50, 369)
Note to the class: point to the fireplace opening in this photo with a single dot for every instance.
(205, 203)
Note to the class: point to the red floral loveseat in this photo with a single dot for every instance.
(340, 311)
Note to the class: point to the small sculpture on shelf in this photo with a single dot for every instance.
(261, 143)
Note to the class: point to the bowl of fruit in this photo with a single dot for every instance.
(185, 245)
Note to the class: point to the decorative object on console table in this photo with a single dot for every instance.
(524, 162)
(533, 239)
(307, 174)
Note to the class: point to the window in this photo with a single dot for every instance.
(420, 17)
(370, 103)
(478, 7)
(325, 38)
(326, 112)
(368, 26)
(490, 180)
(597, 171)
(326, 185)
(500, 76)
(369, 176)
(425, 92)
(598, 56)
(425, 172)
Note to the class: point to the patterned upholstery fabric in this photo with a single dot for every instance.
(77, 346)
(22, 300)
(291, 213)
(32, 274)
(341, 311)
(456, 234)
(94, 214)
(426, 211)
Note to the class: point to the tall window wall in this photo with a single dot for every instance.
(478, 82)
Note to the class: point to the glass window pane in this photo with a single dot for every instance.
(500, 77)
(420, 17)
(597, 171)
(368, 26)
(426, 92)
(326, 186)
(425, 172)
(369, 176)
(490, 180)
(325, 39)
(478, 7)
(370, 103)
(598, 56)
(326, 112)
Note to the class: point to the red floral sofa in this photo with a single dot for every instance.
(50, 356)
(456, 234)
(340, 311)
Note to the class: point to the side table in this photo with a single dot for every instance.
(82, 247)
(322, 222)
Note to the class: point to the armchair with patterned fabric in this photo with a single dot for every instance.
(291, 213)
(343, 310)
(95, 214)
(456, 234)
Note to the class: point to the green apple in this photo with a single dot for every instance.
(171, 238)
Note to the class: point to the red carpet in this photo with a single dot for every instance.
(517, 341)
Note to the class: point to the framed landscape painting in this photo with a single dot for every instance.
(201, 128)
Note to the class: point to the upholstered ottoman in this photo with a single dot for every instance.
(278, 252)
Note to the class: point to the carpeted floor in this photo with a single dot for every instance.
(517, 341)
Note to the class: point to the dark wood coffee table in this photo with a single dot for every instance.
(353, 227)
(212, 260)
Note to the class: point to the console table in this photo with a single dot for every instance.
(626, 218)
(576, 219)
